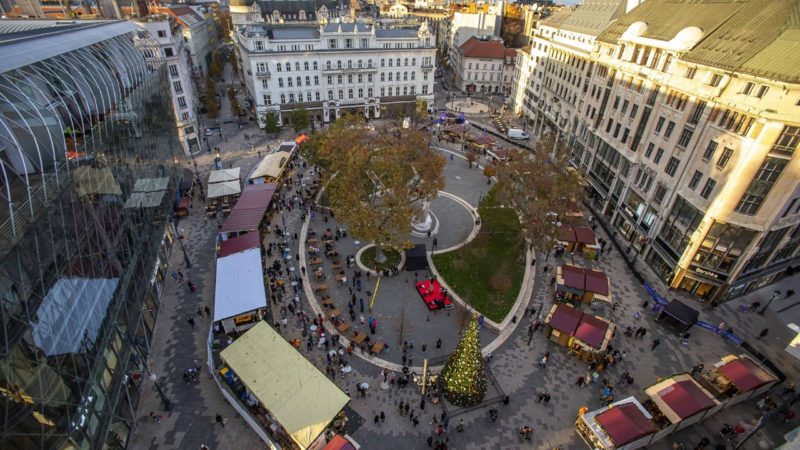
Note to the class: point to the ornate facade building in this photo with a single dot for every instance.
(337, 67)
(685, 118)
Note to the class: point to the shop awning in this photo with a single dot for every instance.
(680, 397)
(271, 165)
(224, 188)
(591, 330)
(249, 210)
(565, 319)
(300, 397)
(745, 374)
(238, 244)
(240, 284)
(219, 176)
(625, 423)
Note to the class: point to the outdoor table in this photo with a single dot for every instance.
(327, 302)
(316, 262)
(343, 327)
(337, 265)
(335, 312)
(360, 338)
(322, 287)
(311, 241)
(378, 347)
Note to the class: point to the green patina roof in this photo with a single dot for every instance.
(759, 37)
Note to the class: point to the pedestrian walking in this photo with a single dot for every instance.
(191, 321)
(656, 342)
(220, 420)
(763, 333)
(361, 303)
(435, 242)
(430, 441)
(424, 346)
(439, 343)
(207, 310)
(546, 399)
(377, 420)
(180, 277)
(383, 417)
(460, 426)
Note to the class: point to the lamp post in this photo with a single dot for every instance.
(185, 255)
(764, 309)
(464, 135)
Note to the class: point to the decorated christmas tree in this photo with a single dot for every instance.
(463, 379)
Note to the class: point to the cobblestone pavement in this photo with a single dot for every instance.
(176, 345)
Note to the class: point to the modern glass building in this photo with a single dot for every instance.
(87, 185)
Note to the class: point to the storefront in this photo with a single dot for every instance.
(702, 283)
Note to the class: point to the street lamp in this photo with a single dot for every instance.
(464, 135)
(774, 296)
(185, 255)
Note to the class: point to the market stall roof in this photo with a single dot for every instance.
(300, 397)
(483, 140)
(585, 235)
(240, 284)
(596, 282)
(151, 184)
(219, 176)
(591, 330)
(457, 129)
(339, 443)
(565, 319)
(224, 188)
(745, 374)
(682, 312)
(89, 180)
(144, 199)
(272, 165)
(238, 244)
(625, 423)
(574, 277)
(680, 397)
(287, 146)
(566, 234)
(250, 208)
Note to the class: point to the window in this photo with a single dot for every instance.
(672, 166)
(616, 130)
(305, 65)
(308, 96)
(308, 81)
(424, 89)
(173, 71)
(405, 61)
(686, 137)
(649, 150)
(289, 81)
(267, 99)
(715, 80)
(339, 79)
(182, 102)
(338, 64)
(328, 65)
(634, 110)
(162, 33)
(288, 67)
(382, 62)
(710, 150)
(291, 98)
(176, 85)
(390, 62)
(330, 79)
(748, 88)
(661, 192)
(350, 94)
(297, 66)
(331, 43)
(169, 52)
(383, 92)
(369, 92)
(696, 177)
(625, 135)
(625, 106)
(659, 125)
(360, 78)
(616, 103)
(280, 82)
(414, 62)
(769, 172)
(412, 76)
(349, 64)
(350, 78)
(659, 155)
(348, 43)
(670, 129)
(787, 141)
(364, 43)
(708, 188)
(316, 80)
(369, 78)
(609, 125)
(316, 67)
(690, 72)
(264, 84)
(283, 98)
(762, 91)
(259, 46)
(383, 77)
(724, 157)
(390, 76)
(330, 95)
(341, 94)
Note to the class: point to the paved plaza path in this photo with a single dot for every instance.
(176, 345)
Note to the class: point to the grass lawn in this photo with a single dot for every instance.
(487, 273)
(392, 258)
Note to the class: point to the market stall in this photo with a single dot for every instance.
(561, 323)
(416, 258)
(591, 338)
(577, 286)
(240, 299)
(238, 244)
(228, 190)
(482, 143)
(623, 425)
(455, 133)
(271, 168)
(679, 401)
(679, 315)
(221, 176)
(735, 379)
(289, 397)
(248, 212)
(148, 193)
(578, 239)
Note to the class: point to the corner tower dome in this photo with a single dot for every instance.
(687, 38)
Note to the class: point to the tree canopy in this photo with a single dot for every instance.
(300, 119)
(375, 180)
(271, 125)
(544, 189)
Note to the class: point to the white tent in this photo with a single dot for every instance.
(240, 284)
(224, 188)
(219, 176)
(271, 166)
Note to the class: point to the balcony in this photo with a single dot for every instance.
(427, 66)
(263, 74)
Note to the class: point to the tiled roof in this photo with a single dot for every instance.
(752, 36)
(476, 48)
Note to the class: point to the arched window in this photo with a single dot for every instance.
(330, 95)
(369, 78)
(390, 76)
(341, 94)
(405, 90)
(330, 79)
(315, 65)
(308, 81)
(308, 96)
(297, 66)
(316, 79)
(405, 76)
(390, 62)
(288, 67)
(291, 98)
(382, 62)
(280, 82)
(283, 98)
(350, 78)
(360, 93)
(405, 62)
(412, 75)
(398, 62)
(383, 92)
(383, 77)
(305, 65)
(359, 64)
(369, 92)
(339, 79)
(414, 61)
(349, 64)
(338, 64)
(317, 96)
(328, 65)
(299, 81)
(350, 93)
(360, 78)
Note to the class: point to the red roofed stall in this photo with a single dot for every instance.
(239, 244)
(580, 239)
(586, 336)
(577, 285)
(624, 425)
(678, 402)
(738, 378)
(249, 212)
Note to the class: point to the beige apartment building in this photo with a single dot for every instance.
(685, 117)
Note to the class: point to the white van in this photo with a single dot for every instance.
(516, 133)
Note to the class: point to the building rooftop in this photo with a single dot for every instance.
(293, 33)
(296, 32)
(593, 16)
(750, 36)
(15, 30)
(395, 33)
(477, 48)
